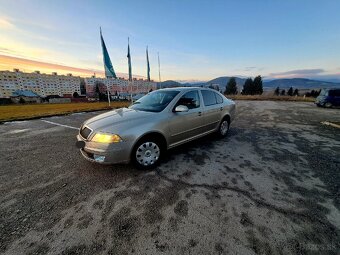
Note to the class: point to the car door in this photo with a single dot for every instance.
(186, 125)
(212, 109)
(335, 97)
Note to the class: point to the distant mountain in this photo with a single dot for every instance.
(299, 83)
(223, 81)
(168, 84)
(171, 84)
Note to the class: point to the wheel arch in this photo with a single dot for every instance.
(227, 117)
(153, 134)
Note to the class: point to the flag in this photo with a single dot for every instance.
(129, 61)
(147, 63)
(109, 72)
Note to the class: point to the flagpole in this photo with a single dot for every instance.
(159, 68)
(108, 97)
(129, 67)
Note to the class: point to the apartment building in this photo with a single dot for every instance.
(119, 85)
(40, 83)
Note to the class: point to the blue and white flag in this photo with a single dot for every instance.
(109, 72)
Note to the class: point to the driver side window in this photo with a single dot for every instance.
(190, 99)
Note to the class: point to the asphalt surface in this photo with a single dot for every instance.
(270, 187)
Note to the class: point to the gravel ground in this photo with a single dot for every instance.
(270, 187)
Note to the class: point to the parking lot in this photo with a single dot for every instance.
(270, 187)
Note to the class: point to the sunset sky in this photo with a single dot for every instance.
(196, 40)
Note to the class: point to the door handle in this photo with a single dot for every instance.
(221, 108)
(199, 113)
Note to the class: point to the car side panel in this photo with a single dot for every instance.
(212, 117)
(184, 125)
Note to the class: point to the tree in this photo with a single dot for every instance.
(98, 94)
(22, 101)
(247, 87)
(97, 90)
(283, 92)
(290, 91)
(82, 86)
(257, 86)
(231, 88)
(277, 91)
(296, 92)
(313, 93)
(75, 94)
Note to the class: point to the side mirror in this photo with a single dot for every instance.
(181, 108)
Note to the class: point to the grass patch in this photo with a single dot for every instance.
(271, 98)
(32, 111)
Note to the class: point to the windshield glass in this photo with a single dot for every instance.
(323, 92)
(155, 101)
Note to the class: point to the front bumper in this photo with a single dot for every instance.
(106, 154)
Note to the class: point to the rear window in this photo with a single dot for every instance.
(209, 97)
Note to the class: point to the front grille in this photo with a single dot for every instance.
(85, 132)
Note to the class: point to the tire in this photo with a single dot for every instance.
(223, 129)
(328, 105)
(147, 153)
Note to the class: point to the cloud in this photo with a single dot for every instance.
(6, 50)
(249, 68)
(297, 73)
(27, 65)
(6, 24)
(8, 63)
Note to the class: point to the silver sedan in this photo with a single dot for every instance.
(160, 120)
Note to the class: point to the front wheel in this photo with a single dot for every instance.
(224, 128)
(147, 153)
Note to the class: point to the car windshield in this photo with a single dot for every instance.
(324, 92)
(155, 101)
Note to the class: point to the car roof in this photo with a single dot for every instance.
(184, 88)
(328, 89)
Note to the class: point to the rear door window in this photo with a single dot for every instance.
(219, 99)
(209, 97)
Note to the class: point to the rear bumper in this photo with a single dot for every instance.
(106, 154)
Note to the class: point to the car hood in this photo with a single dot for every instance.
(116, 117)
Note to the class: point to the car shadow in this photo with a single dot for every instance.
(205, 143)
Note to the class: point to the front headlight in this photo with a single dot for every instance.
(106, 138)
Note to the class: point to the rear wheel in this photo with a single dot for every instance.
(147, 153)
(328, 105)
(224, 127)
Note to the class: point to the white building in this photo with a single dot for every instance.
(119, 85)
(42, 84)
